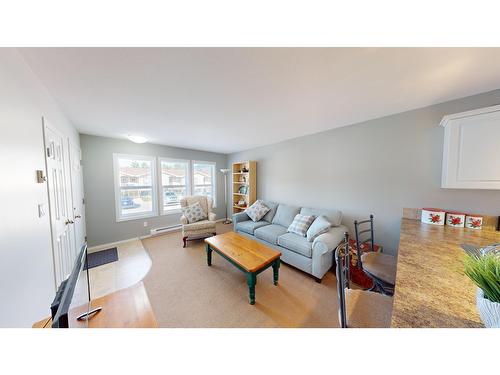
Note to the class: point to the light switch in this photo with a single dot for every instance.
(41, 210)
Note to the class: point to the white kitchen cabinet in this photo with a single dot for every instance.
(471, 153)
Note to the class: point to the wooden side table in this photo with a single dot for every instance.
(358, 276)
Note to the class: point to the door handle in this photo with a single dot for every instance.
(78, 217)
(69, 222)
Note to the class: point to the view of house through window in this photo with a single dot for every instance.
(135, 186)
(174, 181)
(204, 179)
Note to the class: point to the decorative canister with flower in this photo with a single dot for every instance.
(455, 219)
(474, 221)
(435, 216)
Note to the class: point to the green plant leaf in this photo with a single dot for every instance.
(484, 271)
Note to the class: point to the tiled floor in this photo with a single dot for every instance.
(132, 265)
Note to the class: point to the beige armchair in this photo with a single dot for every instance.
(200, 229)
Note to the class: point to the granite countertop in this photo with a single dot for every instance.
(431, 289)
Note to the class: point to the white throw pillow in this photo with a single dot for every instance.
(194, 213)
(301, 224)
(319, 226)
(257, 210)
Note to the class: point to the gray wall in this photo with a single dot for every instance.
(97, 154)
(378, 166)
(27, 284)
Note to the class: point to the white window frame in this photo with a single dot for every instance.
(117, 183)
(160, 183)
(214, 180)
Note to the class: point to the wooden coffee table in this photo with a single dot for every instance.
(249, 256)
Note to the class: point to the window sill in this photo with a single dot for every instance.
(173, 212)
(135, 217)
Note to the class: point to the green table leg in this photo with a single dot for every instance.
(209, 254)
(251, 281)
(276, 267)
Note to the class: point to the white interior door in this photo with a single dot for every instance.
(78, 208)
(63, 244)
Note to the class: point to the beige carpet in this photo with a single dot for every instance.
(185, 292)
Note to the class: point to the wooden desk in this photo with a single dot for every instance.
(431, 289)
(126, 308)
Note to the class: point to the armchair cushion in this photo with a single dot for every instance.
(194, 213)
(204, 201)
(199, 225)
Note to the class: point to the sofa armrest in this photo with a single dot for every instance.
(212, 216)
(327, 242)
(184, 220)
(239, 217)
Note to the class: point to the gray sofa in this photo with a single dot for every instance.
(314, 257)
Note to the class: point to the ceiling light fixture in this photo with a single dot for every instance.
(137, 138)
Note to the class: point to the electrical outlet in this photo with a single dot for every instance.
(145, 224)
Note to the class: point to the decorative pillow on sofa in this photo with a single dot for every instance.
(194, 213)
(319, 226)
(257, 210)
(301, 224)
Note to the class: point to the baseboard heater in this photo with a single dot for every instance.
(162, 230)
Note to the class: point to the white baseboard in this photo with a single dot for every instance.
(169, 230)
(93, 249)
(173, 229)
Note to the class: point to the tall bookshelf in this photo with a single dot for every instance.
(244, 180)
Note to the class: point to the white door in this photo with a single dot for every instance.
(78, 208)
(60, 219)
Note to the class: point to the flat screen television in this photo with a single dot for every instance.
(72, 304)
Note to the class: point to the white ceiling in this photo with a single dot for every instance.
(232, 99)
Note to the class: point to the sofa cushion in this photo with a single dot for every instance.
(301, 224)
(285, 215)
(296, 243)
(319, 226)
(270, 215)
(333, 216)
(249, 226)
(270, 233)
(257, 210)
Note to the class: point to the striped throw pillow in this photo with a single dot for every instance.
(301, 224)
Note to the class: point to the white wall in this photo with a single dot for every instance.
(374, 167)
(97, 153)
(26, 274)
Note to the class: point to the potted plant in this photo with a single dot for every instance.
(484, 271)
